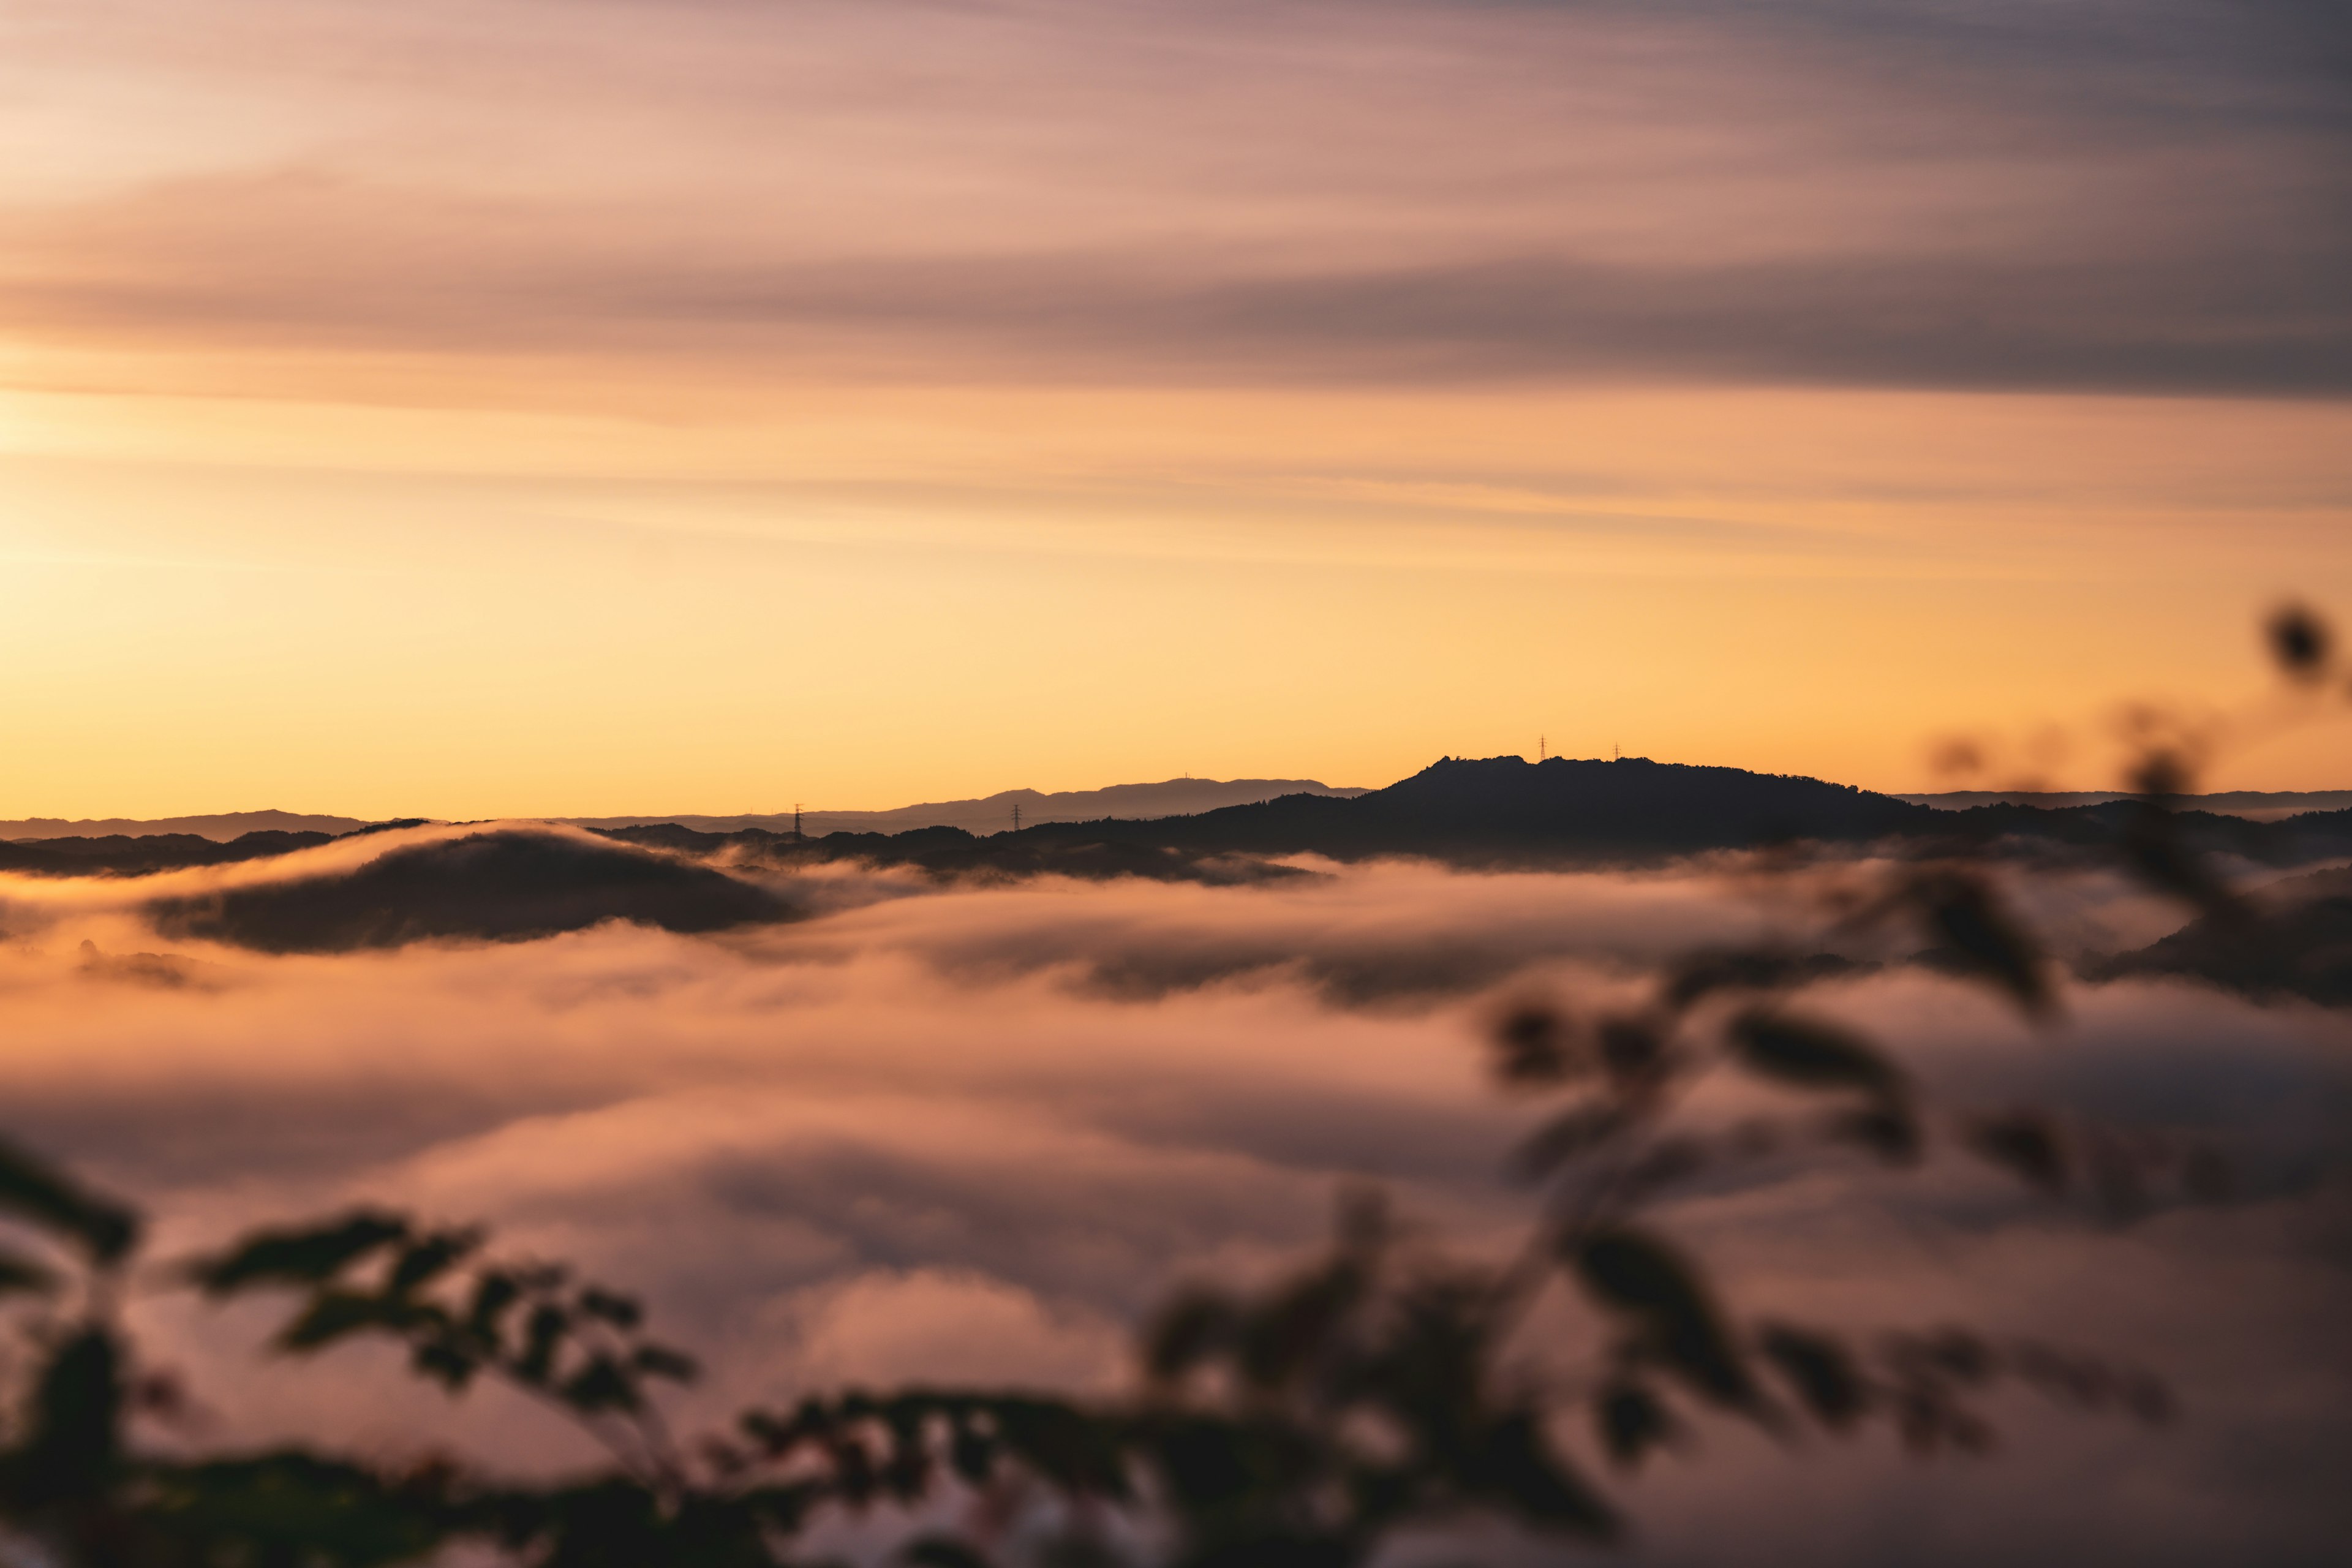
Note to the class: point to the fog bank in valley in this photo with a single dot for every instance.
(974, 1132)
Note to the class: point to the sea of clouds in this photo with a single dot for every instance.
(974, 1133)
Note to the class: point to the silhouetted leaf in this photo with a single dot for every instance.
(660, 1361)
(2299, 641)
(75, 1419)
(445, 1363)
(422, 1262)
(1887, 1131)
(972, 1453)
(307, 1257)
(1964, 913)
(1808, 1053)
(34, 1192)
(544, 1333)
(1630, 1048)
(1562, 1139)
(23, 1277)
(1668, 1161)
(601, 1384)
(2154, 850)
(1536, 1044)
(1957, 1354)
(1515, 1460)
(1062, 1444)
(1702, 975)
(1282, 1335)
(1641, 1277)
(1192, 1326)
(621, 1311)
(332, 1315)
(2023, 1142)
(1632, 1420)
(495, 1294)
(1821, 1370)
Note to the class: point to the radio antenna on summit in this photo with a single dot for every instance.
(1540, 748)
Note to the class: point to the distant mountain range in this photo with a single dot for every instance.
(509, 883)
(1134, 803)
(221, 827)
(989, 814)
(993, 813)
(1504, 811)
(2262, 805)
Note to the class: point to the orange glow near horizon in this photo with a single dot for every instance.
(429, 416)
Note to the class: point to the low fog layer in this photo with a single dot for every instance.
(974, 1133)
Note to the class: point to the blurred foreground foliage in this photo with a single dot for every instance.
(1374, 1392)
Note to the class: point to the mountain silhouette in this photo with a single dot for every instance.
(221, 827)
(126, 854)
(988, 814)
(503, 885)
(1491, 813)
(2295, 939)
(1508, 809)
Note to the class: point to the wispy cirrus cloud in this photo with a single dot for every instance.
(1839, 193)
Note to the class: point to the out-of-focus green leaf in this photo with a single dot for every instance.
(309, 1255)
(32, 1191)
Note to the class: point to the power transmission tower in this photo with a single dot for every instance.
(796, 822)
(1540, 748)
(1016, 819)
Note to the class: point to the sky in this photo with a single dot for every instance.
(612, 406)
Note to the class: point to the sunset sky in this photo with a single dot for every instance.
(613, 406)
